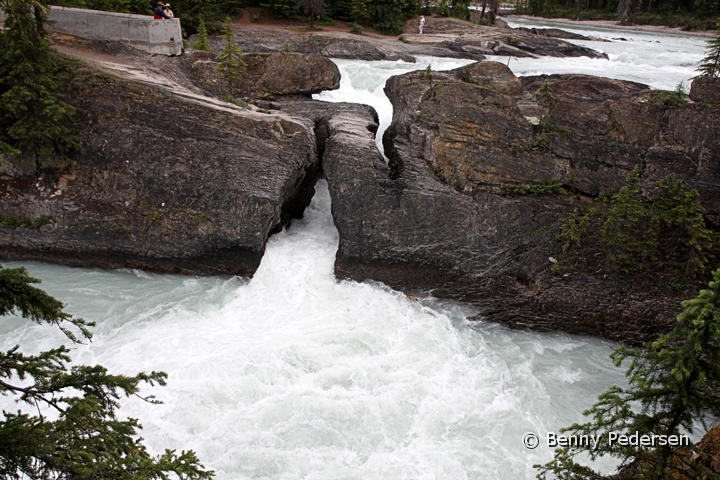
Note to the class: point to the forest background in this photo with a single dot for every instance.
(389, 16)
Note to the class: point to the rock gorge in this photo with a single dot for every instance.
(171, 179)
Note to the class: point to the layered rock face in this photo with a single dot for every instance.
(163, 182)
(437, 218)
(266, 75)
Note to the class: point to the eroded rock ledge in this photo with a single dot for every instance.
(436, 219)
(163, 181)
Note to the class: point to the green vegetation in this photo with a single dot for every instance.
(87, 440)
(119, 229)
(552, 187)
(428, 75)
(672, 387)
(190, 12)
(545, 97)
(9, 221)
(710, 65)
(202, 42)
(629, 234)
(697, 15)
(282, 8)
(358, 30)
(231, 62)
(674, 99)
(33, 118)
(385, 16)
(287, 48)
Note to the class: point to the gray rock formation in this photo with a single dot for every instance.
(438, 219)
(706, 89)
(163, 182)
(266, 75)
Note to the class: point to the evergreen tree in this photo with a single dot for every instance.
(33, 119)
(231, 62)
(361, 10)
(202, 42)
(283, 8)
(710, 65)
(87, 441)
(665, 234)
(673, 386)
(313, 8)
(339, 9)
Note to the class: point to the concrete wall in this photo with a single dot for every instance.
(140, 31)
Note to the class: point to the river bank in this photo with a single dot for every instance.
(610, 25)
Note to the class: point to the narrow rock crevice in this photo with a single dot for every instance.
(322, 133)
(295, 206)
(395, 161)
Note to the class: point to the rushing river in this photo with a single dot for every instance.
(294, 374)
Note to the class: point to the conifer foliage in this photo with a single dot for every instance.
(231, 61)
(87, 440)
(673, 386)
(710, 65)
(629, 234)
(33, 119)
(202, 42)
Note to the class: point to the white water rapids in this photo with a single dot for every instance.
(294, 374)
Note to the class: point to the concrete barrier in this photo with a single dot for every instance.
(140, 31)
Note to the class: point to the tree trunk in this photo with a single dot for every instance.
(494, 6)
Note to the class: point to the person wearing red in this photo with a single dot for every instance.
(158, 13)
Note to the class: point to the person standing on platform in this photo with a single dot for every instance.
(158, 13)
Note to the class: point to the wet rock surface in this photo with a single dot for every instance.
(438, 219)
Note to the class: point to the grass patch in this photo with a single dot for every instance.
(10, 221)
(552, 187)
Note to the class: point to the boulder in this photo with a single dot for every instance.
(440, 219)
(558, 33)
(705, 89)
(547, 46)
(163, 182)
(266, 75)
